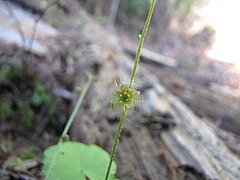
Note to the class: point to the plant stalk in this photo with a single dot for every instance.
(70, 120)
(116, 142)
(140, 44)
(120, 126)
(79, 102)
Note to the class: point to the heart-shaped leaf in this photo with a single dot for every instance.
(76, 161)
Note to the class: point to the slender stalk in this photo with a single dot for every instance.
(79, 102)
(116, 142)
(142, 37)
(120, 126)
(70, 121)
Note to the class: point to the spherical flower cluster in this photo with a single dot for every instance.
(124, 97)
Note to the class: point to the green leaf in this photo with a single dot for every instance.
(76, 161)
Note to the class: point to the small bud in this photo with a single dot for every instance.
(65, 137)
(124, 97)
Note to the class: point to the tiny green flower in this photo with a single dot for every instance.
(124, 97)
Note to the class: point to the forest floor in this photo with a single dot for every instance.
(48, 97)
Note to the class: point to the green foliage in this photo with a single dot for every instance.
(39, 95)
(5, 109)
(76, 161)
(24, 94)
(26, 114)
(69, 160)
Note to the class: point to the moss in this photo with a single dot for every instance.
(23, 95)
(40, 94)
(28, 153)
(5, 109)
(26, 114)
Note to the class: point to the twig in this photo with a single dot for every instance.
(17, 23)
(112, 13)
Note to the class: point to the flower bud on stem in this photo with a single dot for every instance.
(142, 37)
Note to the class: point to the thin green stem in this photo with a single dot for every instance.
(70, 121)
(114, 149)
(120, 126)
(142, 37)
(79, 102)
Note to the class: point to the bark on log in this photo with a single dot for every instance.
(206, 101)
(149, 56)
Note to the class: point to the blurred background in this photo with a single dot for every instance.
(196, 33)
(46, 46)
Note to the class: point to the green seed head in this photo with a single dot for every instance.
(124, 96)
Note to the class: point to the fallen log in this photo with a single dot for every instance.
(21, 29)
(149, 56)
(217, 105)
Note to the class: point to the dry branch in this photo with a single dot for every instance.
(149, 56)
